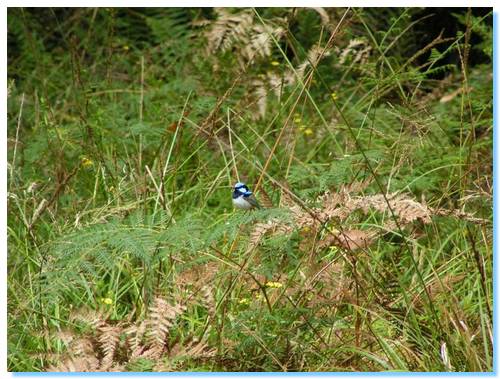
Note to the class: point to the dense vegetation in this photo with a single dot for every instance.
(366, 133)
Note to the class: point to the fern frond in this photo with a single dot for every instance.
(82, 358)
(109, 337)
(358, 50)
(161, 318)
(352, 239)
(265, 199)
(80, 364)
(181, 351)
(261, 93)
(208, 300)
(193, 349)
(406, 209)
(314, 55)
(135, 334)
(325, 18)
(262, 228)
(239, 33)
(95, 319)
(462, 215)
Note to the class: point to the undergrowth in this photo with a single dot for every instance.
(366, 136)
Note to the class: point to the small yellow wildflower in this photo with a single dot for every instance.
(275, 63)
(244, 301)
(297, 120)
(334, 95)
(107, 300)
(308, 132)
(274, 285)
(258, 296)
(333, 249)
(126, 48)
(87, 162)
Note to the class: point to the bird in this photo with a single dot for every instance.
(243, 198)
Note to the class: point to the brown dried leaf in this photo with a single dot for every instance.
(355, 239)
(352, 239)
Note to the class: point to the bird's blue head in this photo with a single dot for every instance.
(240, 189)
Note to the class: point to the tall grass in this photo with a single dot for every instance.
(371, 149)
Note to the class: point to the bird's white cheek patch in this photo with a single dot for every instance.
(241, 203)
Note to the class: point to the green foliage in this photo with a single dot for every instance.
(141, 365)
(483, 29)
(128, 126)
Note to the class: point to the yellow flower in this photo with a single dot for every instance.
(107, 300)
(87, 162)
(125, 47)
(275, 63)
(244, 301)
(308, 132)
(334, 95)
(274, 285)
(258, 296)
(334, 249)
(297, 120)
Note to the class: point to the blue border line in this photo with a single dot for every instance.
(495, 188)
(377, 373)
(217, 374)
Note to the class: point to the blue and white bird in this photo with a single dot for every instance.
(243, 198)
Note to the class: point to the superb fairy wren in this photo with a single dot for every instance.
(243, 198)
